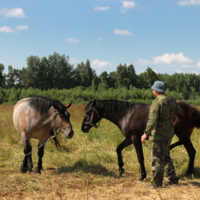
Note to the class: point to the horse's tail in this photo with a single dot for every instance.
(56, 141)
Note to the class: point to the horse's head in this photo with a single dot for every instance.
(91, 117)
(61, 120)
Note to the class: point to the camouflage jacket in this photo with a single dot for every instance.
(160, 125)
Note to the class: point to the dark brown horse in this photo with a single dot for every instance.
(40, 118)
(131, 118)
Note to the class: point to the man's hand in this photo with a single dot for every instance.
(144, 137)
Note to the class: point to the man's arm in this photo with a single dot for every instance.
(152, 122)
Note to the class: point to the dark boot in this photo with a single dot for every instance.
(171, 182)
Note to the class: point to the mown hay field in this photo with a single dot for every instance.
(85, 167)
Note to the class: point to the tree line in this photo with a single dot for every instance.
(56, 73)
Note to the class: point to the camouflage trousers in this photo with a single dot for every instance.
(161, 162)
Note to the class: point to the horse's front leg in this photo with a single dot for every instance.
(119, 149)
(40, 155)
(27, 149)
(138, 147)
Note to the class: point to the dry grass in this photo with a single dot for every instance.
(85, 167)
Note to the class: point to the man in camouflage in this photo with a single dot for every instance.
(160, 129)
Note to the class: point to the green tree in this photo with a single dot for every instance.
(30, 76)
(1, 95)
(59, 71)
(2, 77)
(112, 78)
(148, 77)
(185, 92)
(54, 72)
(104, 79)
(13, 78)
(126, 76)
(83, 74)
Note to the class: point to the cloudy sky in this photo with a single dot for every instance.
(163, 35)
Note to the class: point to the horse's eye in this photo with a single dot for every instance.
(61, 116)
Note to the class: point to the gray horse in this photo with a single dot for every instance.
(39, 118)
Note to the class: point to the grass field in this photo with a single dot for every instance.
(85, 167)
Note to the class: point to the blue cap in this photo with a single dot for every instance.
(159, 86)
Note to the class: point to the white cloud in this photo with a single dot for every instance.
(195, 72)
(198, 65)
(21, 27)
(14, 12)
(122, 32)
(143, 62)
(178, 71)
(127, 5)
(96, 64)
(168, 59)
(99, 39)
(7, 29)
(173, 60)
(188, 3)
(73, 60)
(101, 8)
(72, 40)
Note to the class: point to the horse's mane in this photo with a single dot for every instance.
(115, 106)
(42, 104)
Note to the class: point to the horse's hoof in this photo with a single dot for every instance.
(29, 170)
(188, 173)
(23, 169)
(121, 172)
(139, 181)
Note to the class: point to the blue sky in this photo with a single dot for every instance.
(162, 35)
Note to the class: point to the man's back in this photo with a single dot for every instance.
(164, 109)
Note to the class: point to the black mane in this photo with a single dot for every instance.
(43, 104)
(115, 106)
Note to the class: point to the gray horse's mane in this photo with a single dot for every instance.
(43, 104)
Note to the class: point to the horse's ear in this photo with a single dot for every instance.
(58, 106)
(67, 106)
(94, 103)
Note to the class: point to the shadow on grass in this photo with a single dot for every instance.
(83, 166)
(195, 175)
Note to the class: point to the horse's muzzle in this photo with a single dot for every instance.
(85, 128)
(70, 134)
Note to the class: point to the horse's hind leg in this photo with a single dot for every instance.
(27, 149)
(191, 152)
(140, 156)
(30, 162)
(119, 149)
(40, 155)
(176, 144)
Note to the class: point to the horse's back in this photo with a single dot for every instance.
(24, 116)
(135, 121)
